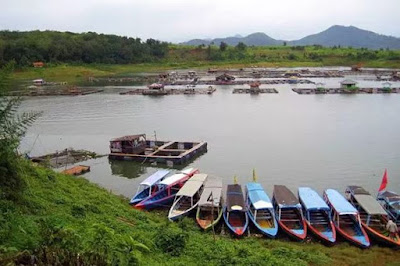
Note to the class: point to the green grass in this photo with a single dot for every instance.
(60, 216)
(185, 57)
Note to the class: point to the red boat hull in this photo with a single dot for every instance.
(292, 234)
(381, 238)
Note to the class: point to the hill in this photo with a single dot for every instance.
(350, 36)
(333, 36)
(256, 39)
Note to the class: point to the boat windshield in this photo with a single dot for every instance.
(143, 188)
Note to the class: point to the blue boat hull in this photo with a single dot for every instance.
(236, 230)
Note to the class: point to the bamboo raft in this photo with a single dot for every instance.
(346, 91)
(239, 82)
(173, 91)
(253, 91)
(77, 170)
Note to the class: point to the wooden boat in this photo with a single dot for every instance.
(373, 217)
(260, 210)
(288, 213)
(346, 219)
(209, 210)
(390, 201)
(167, 190)
(317, 215)
(187, 197)
(148, 187)
(234, 213)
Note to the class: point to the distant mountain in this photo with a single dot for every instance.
(335, 35)
(256, 39)
(350, 36)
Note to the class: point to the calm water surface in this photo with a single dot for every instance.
(323, 141)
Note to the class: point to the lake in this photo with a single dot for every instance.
(322, 141)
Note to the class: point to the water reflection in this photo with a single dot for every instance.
(127, 169)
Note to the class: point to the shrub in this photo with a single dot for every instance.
(171, 240)
(78, 211)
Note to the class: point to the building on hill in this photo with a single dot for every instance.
(38, 64)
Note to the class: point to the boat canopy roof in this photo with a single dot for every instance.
(311, 200)
(389, 196)
(234, 198)
(211, 193)
(366, 201)
(285, 198)
(357, 190)
(188, 171)
(193, 185)
(369, 204)
(258, 197)
(339, 203)
(172, 179)
(154, 178)
(393, 199)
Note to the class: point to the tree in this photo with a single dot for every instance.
(241, 46)
(284, 43)
(12, 128)
(223, 46)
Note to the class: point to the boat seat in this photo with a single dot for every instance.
(290, 220)
(317, 223)
(263, 217)
(318, 220)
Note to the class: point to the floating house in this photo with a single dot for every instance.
(255, 87)
(156, 86)
(348, 84)
(155, 89)
(39, 82)
(138, 148)
(387, 85)
(225, 77)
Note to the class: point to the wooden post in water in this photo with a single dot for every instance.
(212, 214)
(66, 162)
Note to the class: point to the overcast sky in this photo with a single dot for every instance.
(181, 20)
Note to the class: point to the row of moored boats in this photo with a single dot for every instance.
(356, 217)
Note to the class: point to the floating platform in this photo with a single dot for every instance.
(149, 151)
(77, 170)
(152, 92)
(347, 91)
(241, 82)
(254, 91)
(55, 92)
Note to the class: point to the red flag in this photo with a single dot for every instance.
(384, 182)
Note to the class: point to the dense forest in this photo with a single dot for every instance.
(54, 47)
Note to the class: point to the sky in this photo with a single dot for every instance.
(182, 20)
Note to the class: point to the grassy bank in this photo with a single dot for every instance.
(67, 219)
(185, 57)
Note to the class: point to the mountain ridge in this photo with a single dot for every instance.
(336, 35)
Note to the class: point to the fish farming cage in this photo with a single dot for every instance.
(136, 147)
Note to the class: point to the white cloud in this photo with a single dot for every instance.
(178, 20)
